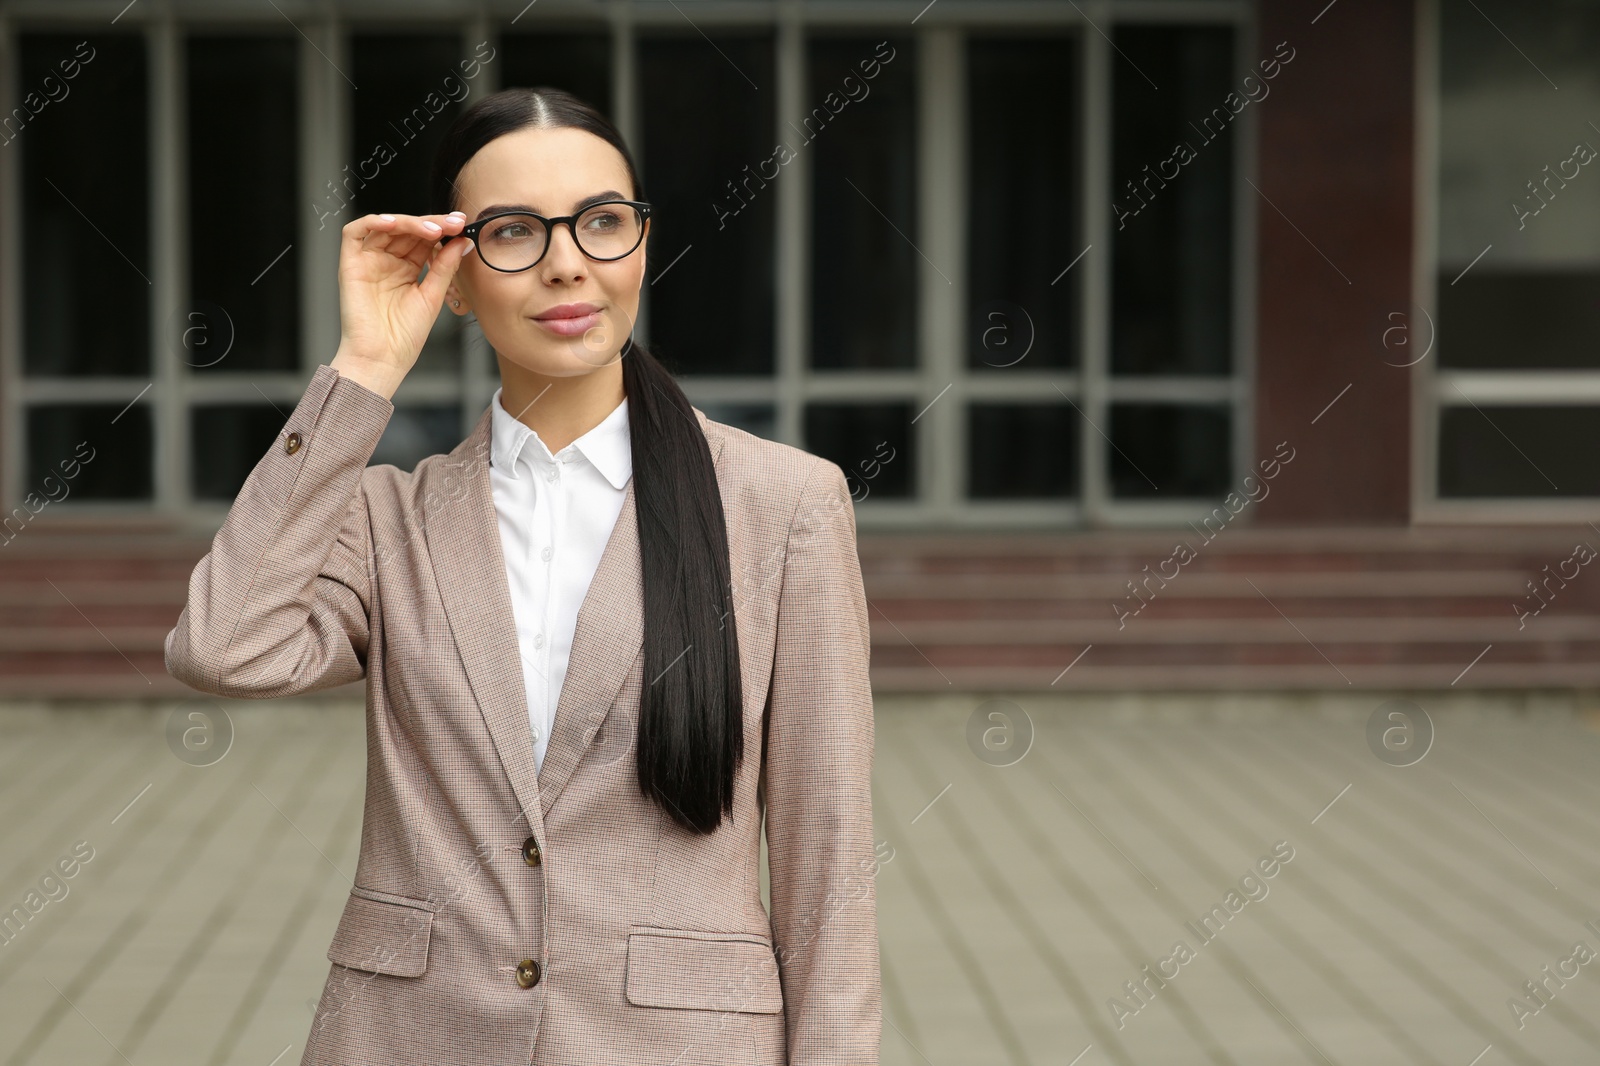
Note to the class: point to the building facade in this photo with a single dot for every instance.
(1018, 266)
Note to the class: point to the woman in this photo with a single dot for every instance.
(602, 638)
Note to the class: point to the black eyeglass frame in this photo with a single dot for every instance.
(472, 229)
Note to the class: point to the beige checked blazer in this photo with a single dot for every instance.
(504, 916)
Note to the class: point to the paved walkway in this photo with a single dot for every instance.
(1019, 907)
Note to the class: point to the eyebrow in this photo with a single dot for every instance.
(587, 201)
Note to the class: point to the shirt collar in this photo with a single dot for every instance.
(607, 446)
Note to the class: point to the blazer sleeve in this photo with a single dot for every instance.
(818, 787)
(280, 605)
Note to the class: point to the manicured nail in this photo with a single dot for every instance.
(430, 225)
(387, 218)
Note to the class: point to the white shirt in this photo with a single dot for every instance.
(555, 514)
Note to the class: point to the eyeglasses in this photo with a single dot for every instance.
(516, 240)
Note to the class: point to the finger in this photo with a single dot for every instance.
(401, 233)
(441, 227)
(442, 268)
(398, 235)
(445, 220)
(358, 229)
(437, 231)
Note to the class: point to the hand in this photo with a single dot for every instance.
(385, 314)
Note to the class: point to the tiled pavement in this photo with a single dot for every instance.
(1016, 902)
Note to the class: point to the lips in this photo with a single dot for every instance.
(567, 311)
(569, 320)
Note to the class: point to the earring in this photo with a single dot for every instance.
(455, 303)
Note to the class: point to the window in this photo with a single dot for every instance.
(235, 435)
(932, 252)
(87, 227)
(863, 201)
(1024, 158)
(244, 261)
(874, 442)
(706, 133)
(1022, 451)
(1513, 392)
(85, 300)
(1171, 276)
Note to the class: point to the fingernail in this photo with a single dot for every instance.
(387, 218)
(430, 225)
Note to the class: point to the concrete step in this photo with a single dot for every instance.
(84, 612)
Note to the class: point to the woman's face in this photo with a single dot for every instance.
(547, 172)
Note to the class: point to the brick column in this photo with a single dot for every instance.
(1334, 261)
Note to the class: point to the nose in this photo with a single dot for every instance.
(563, 259)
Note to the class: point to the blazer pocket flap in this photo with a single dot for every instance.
(703, 971)
(382, 937)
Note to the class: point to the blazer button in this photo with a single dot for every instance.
(530, 852)
(527, 973)
(292, 445)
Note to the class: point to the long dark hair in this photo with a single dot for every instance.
(691, 719)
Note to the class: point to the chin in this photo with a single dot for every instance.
(566, 360)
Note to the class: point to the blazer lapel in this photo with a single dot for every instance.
(464, 543)
(463, 536)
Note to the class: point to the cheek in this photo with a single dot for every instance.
(622, 286)
(492, 292)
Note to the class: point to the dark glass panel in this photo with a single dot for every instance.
(860, 133)
(1522, 320)
(1172, 188)
(227, 441)
(403, 105)
(577, 61)
(82, 128)
(872, 442)
(1518, 245)
(708, 138)
(1021, 451)
(244, 258)
(1519, 451)
(1183, 449)
(1023, 162)
(107, 446)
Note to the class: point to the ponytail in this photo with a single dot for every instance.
(691, 710)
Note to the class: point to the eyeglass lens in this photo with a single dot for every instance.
(604, 231)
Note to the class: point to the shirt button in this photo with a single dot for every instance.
(538, 641)
(292, 444)
(545, 555)
(527, 973)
